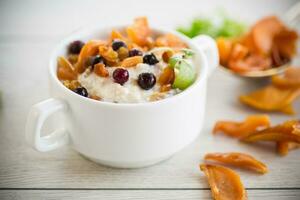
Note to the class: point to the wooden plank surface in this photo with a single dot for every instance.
(149, 194)
(25, 46)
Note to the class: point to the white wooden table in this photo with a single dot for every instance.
(29, 31)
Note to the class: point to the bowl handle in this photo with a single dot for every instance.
(210, 49)
(37, 117)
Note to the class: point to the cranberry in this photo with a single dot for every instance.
(75, 47)
(117, 44)
(150, 59)
(146, 80)
(120, 75)
(135, 52)
(81, 91)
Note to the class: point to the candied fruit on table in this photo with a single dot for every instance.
(286, 132)
(239, 129)
(236, 159)
(224, 183)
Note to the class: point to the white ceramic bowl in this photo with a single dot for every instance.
(124, 135)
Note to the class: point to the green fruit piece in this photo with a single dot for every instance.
(174, 59)
(185, 75)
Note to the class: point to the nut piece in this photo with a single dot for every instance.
(132, 61)
(101, 70)
(224, 183)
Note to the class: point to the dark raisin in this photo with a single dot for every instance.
(75, 47)
(95, 60)
(146, 80)
(150, 59)
(117, 44)
(120, 75)
(135, 52)
(81, 91)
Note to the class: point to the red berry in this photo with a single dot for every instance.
(120, 75)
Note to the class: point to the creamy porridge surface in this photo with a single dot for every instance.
(133, 68)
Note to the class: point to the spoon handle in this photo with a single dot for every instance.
(292, 16)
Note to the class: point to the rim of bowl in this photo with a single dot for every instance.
(86, 30)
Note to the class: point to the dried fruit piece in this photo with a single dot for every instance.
(286, 42)
(108, 54)
(101, 70)
(123, 53)
(65, 69)
(167, 55)
(286, 132)
(239, 160)
(73, 58)
(224, 47)
(263, 33)
(283, 148)
(225, 184)
(271, 98)
(132, 61)
(170, 40)
(89, 49)
(291, 78)
(116, 35)
(238, 129)
(167, 76)
(250, 63)
(139, 31)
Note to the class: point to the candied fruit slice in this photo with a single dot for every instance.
(238, 160)
(250, 63)
(108, 54)
(89, 49)
(263, 33)
(286, 42)
(290, 78)
(170, 40)
(139, 31)
(224, 47)
(283, 148)
(132, 61)
(101, 70)
(286, 132)
(238, 129)
(225, 184)
(271, 98)
(167, 76)
(65, 69)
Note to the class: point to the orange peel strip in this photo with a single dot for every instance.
(271, 98)
(286, 132)
(239, 160)
(238, 129)
(225, 184)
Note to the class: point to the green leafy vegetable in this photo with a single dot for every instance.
(216, 27)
